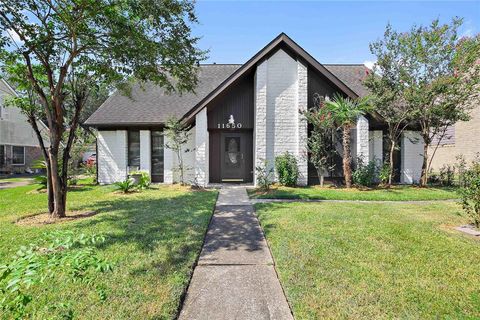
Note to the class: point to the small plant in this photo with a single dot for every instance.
(287, 169)
(447, 175)
(384, 173)
(90, 169)
(471, 193)
(60, 254)
(126, 186)
(461, 168)
(264, 176)
(42, 181)
(143, 179)
(365, 174)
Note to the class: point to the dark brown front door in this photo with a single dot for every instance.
(235, 155)
(157, 156)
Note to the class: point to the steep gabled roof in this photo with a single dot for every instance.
(281, 41)
(150, 104)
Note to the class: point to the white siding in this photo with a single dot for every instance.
(412, 157)
(14, 128)
(112, 156)
(376, 146)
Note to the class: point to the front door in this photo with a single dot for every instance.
(233, 156)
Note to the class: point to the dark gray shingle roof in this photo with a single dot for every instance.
(352, 75)
(150, 104)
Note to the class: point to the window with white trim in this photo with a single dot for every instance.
(18, 155)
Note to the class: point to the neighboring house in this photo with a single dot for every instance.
(19, 146)
(240, 115)
(463, 138)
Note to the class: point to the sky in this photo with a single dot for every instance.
(332, 32)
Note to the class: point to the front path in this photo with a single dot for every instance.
(235, 277)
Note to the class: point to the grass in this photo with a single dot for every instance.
(153, 239)
(395, 193)
(374, 261)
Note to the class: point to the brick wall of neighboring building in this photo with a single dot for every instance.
(467, 142)
(31, 154)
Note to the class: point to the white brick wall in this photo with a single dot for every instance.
(412, 157)
(168, 163)
(362, 137)
(260, 111)
(112, 156)
(145, 150)
(302, 96)
(201, 148)
(280, 92)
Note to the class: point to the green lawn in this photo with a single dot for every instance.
(374, 261)
(153, 240)
(395, 193)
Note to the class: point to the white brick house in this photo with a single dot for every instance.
(240, 116)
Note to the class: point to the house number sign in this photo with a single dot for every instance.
(230, 124)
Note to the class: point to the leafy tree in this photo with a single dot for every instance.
(387, 91)
(177, 135)
(439, 75)
(320, 143)
(67, 47)
(344, 112)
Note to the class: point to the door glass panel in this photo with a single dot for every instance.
(232, 149)
(157, 153)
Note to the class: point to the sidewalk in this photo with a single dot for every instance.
(235, 277)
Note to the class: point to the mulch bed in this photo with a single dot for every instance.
(46, 219)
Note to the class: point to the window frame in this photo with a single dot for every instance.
(3, 162)
(129, 158)
(13, 156)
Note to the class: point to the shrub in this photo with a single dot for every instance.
(126, 186)
(364, 175)
(447, 175)
(384, 173)
(90, 169)
(41, 180)
(67, 255)
(461, 168)
(471, 193)
(143, 180)
(287, 169)
(264, 176)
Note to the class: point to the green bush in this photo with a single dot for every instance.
(471, 193)
(384, 173)
(264, 176)
(447, 175)
(364, 175)
(144, 180)
(125, 186)
(60, 254)
(287, 169)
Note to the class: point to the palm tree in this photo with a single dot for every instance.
(344, 113)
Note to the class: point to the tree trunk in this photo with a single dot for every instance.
(347, 157)
(51, 201)
(57, 183)
(424, 177)
(390, 174)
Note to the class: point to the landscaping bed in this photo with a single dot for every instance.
(152, 240)
(371, 261)
(394, 193)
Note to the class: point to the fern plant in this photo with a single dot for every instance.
(126, 186)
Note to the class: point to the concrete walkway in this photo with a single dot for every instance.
(14, 184)
(235, 277)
